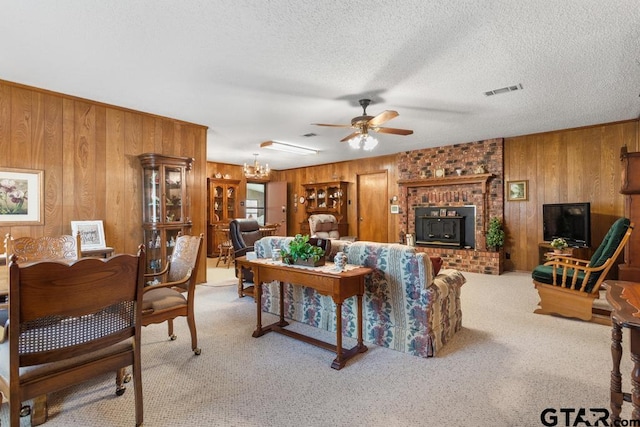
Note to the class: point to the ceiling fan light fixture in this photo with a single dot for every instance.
(364, 141)
(288, 148)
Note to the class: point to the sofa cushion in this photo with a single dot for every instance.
(544, 274)
(436, 262)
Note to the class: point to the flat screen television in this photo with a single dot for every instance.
(570, 221)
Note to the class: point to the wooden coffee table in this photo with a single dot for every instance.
(338, 285)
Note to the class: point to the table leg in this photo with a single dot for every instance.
(338, 362)
(360, 315)
(258, 298)
(239, 274)
(616, 377)
(282, 322)
(635, 374)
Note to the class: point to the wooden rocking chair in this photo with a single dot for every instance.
(568, 286)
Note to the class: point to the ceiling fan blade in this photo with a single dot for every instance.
(392, 130)
(348, 137)
(385, 116)
(335, 126)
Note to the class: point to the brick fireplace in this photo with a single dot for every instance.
(479, 184)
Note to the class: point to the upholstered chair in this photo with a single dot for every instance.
(244, 233)
(324, 226)
(174, 296)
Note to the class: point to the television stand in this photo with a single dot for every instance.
(581, 252)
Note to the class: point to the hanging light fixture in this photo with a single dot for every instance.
(256, 171)
(364, 141)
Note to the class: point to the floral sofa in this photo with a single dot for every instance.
(405, 307)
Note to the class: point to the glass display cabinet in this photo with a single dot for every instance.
(165, 205)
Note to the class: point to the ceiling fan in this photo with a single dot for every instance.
(365, 124)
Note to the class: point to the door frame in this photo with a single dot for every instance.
(386, 197)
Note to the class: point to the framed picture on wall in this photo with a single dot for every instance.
(443, 212)
(517, 190)
(21, 197)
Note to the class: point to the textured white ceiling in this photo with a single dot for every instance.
(254, 70)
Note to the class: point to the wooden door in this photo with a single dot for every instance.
(373, 207)
(277, 206)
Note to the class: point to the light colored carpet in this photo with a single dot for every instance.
(502, 369)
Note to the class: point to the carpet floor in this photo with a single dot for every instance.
(502, 369)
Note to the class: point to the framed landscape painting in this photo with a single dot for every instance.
(21, 197)
(517, 190)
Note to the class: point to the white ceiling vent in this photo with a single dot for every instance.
(504, 90)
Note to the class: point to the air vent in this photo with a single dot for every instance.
(504, 90)
(310, 134)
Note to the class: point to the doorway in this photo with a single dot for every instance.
(373, 215)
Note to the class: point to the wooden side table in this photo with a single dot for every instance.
(544, 248)
(624, 297)
(106, 252)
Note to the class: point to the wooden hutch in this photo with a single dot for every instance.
(630, 270)
(222, 207)
(326, 198)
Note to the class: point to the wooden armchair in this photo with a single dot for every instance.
(68, 322)
(166, 300)
(568, 286)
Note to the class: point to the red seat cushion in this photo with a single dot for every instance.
(436, 261)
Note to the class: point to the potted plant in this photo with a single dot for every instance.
(495, 234)
(558, 245)
(301, 252)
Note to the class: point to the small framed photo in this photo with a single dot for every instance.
(395, 209)
(517, 190)
(435, 213)
(21, 197)
(91, 234)
(443, 212)
(451, 213)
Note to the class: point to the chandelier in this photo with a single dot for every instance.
(256, 171)
(364, 141)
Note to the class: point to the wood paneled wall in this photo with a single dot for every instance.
(88, 151)
(561, 166)
(344, 171)
(576, 165)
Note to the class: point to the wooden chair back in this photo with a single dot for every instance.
(70, 321)
(40, 248)
(184, 260)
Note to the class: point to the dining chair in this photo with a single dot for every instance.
(174, 295)
(225, 247)
(58, 337)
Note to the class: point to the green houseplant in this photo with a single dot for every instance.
(495, 234)
(300, 251)
(558, 244)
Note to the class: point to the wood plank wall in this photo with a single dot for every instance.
(344, 171)
(561, 166)
(88, 151)
(575, 165)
